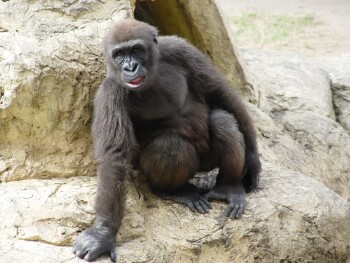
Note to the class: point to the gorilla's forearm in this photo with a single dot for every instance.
(112, 138)
(110, 198)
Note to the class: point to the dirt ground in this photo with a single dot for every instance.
(309, 27)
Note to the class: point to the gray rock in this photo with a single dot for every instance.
(341, 100)
(51, 63)
(300, 130)
(338, 69)
(292, 217)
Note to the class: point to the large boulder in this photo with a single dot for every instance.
(305, 134)
(51, 63)
(338, 69)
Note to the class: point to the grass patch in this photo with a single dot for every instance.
(264, 29)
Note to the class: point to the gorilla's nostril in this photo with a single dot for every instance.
(130, 67)
(135, 67)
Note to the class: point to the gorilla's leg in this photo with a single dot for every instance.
(228, 151)
(168, 162)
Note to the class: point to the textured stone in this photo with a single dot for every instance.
(338, 69)
(296, 119)
(291, 217)
(341, 100)
(51, 63)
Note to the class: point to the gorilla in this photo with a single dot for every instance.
(164, 109)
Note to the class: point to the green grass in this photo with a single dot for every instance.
(283, 26)
(263, 29)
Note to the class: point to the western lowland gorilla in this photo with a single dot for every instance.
(164, 103)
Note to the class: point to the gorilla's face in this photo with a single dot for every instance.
(134, 62)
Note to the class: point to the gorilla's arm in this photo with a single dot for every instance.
(218, 94)
(112, 138)
(207, 82)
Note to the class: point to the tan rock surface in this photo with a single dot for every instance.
(51, 63)
(301, 128)
(291, 217)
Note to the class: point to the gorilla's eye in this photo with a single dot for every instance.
(119, 59)
(115, 53)
(138, 52)
(118, 56)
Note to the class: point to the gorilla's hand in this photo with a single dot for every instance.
(94, 242)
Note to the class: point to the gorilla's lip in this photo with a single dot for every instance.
(136, 82)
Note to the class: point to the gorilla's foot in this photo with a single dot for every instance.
(233, 195)
(188, 196)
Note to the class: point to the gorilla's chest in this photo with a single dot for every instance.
(162, 101)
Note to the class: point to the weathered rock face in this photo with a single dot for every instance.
(292, 217)
(301, 131)
(341, 100)
(51, 64)
(339, 72)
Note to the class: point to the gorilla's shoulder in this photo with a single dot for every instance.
(176, 47)
(172, 40)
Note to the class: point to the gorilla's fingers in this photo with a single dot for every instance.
(113, 256)
(234, 211)
(81, 253)
(89, 256)
(199, 207)
(240, 211)
(207, 203)
(204, 205)
(191, 206)
(92, 255)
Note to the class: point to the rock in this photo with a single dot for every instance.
(51, 63)
(327, 146)
(292, 217)
(341, 100)
(288, 82)
(300, 130)
(338, 69)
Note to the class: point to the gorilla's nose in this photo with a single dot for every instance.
(130, 68)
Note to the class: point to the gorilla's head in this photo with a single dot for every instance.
(131, 53)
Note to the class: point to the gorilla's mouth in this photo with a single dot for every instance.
(136, 82)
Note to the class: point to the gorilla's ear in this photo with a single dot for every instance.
(155, 39)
